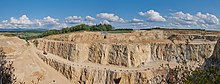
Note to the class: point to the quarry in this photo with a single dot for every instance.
(107, 58)
(109, 42)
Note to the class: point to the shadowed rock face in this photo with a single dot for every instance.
(134, 52)
(214, 60)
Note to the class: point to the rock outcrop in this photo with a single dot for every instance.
(214, 60)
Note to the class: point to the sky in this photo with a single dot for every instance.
(136, 14)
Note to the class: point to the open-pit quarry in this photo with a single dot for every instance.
(126, 58)
(107, 58)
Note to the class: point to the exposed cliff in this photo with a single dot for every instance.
(85, 74)
(214, 60)
(129, 58)
(128, 55)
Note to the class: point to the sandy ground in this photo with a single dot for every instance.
(29, 67)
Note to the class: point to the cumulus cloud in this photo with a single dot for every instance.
(110, 17)
(105, 22)
(73, 19)
(153, 16)
(89, 18)
(137, 23)
(177, 19)
(207, 18)
(181, 18)
(135, 20)
(198, 20)
(47, 22)
(4, 21)
(22, 20)
(25, 22)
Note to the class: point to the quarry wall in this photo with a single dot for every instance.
(127, 55)
(92, 75)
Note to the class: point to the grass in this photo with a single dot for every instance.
(22, 34)
(7, 34)
(120, 31)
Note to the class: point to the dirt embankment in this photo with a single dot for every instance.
(29, 68)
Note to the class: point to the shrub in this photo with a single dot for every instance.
(6, 70)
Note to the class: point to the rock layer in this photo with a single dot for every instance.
(90, 75)
(127, 55)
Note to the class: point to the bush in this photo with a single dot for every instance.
(186, 75)
(207, 75)
(6, 70)
(82, 27)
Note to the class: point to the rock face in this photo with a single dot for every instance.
(181, 52)
(90, 75)
(137, 50)
(214, 60)
(127, 55)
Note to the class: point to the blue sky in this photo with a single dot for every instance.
(119, 13)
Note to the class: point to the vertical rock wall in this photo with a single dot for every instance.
(127, 55)
(181, 52)
(91, 75)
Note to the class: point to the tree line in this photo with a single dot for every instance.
(81, 27)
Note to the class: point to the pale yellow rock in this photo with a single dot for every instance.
(132, 58)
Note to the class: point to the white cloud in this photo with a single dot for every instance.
(21, 22)
(25, 22)
(137, 23)
(73, 19)
(135, 20)
(198, 20)
(110, 17)
(207, 18)
(4, 21)
(181, 18)
(89, 18)
(153, 16)
(49, 19)
(105, 22)
(178, 19)
(47, 22)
